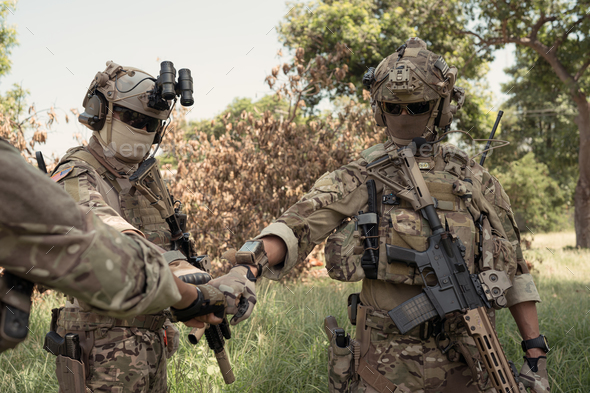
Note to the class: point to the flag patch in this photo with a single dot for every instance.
(61, 174)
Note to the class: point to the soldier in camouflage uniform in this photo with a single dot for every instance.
(120, 355)
(411, 96)
(48, 239)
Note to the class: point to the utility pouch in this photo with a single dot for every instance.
(343, 254)
(70, 375)
(340, 357)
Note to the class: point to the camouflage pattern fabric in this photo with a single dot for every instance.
(340, 368)
(48, 239)
(106, 191)
(338, 196)
(128, 360)
(111, 198)
(418, 366)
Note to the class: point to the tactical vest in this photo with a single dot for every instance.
(135, 208)
(449, 184)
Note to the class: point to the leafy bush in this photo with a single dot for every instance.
(235, 184)
(537, 199)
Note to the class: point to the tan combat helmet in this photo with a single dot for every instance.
(125, 90)
(419, 81)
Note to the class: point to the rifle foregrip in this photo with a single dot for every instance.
(412, 313)
(492, 354)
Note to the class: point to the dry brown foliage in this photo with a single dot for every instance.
(235, 185)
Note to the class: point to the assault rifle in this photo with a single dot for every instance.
(148, 180)
(454, 288)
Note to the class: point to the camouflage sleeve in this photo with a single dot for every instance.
(46, 237)
(523, 287)
(162, 237)
(88, 190)
(334, 197)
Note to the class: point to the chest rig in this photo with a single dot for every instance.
(135, 207)
(358, 249)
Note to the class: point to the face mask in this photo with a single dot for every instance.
(406, 127)
(127, 144)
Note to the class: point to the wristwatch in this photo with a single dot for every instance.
(539, 342)
(252, 253)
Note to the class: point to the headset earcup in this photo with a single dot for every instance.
(94, 115)
(379, 116)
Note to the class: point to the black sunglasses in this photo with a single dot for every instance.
(137, 120)
(415, 108)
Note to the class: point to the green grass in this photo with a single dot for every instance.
(282, 347)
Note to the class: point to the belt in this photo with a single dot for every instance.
(73, 319)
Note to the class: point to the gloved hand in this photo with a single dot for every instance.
(239, 288)
(210, 300)
(533, 374)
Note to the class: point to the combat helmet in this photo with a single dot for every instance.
(419, 81)
(126, 91)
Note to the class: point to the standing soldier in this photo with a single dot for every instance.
(411, 94)
(126, 108)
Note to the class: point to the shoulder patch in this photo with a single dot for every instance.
(61, 174)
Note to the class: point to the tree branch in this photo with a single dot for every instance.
(559, 41)
(537, 26)
(582, 69)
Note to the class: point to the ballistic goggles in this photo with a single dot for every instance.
(137, 120)
(415, 108)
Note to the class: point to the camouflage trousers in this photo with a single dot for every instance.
(419, 366)
(127, 359)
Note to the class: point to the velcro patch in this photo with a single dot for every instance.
(61, 174)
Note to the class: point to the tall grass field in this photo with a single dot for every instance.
(282, 347)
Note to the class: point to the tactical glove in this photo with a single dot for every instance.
(533, 374)
(210, 300)
(239, 289)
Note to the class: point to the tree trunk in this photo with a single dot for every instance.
(582, 194)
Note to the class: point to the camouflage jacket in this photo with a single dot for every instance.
(104, 188)
(338, 196)
(110, 198)
(47, 238)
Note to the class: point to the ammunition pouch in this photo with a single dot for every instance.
(15, 306)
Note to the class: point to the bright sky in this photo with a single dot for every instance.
(229, 46)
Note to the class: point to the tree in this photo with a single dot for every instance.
(217, 125)
(535, 197)
(347, 37)
(557, 32)
(540, 119)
